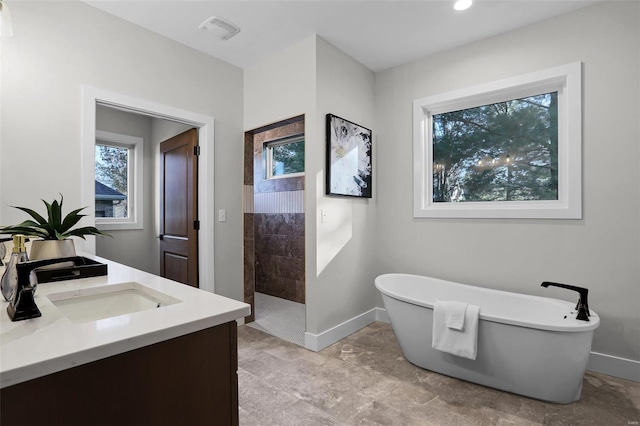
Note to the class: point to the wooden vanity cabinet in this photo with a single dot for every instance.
(188, 380)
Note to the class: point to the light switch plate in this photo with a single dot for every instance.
(324, 217)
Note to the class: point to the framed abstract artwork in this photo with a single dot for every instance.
(349, 170)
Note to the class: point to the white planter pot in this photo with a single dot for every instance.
(51, 249)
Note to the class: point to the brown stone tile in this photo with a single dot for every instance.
(381, 414)
(301, 413)
(279, 287)
(249, 275)
(442, 413)
(298, 231)
(364, 379)
(259, 225)
(248, 224)
(289, 267)
(289, 184)
(249, 259)
(265, 265)
(247, 419)
(338, 398)
(357, 379)
(299, 355)
(274, 223)
(258, 398)
(248, 159)
(250, 299)
(633, 391)
(519, 409)
(300, 292)
(280, 132)
(604, 401)
(460, 393)
(250, 337)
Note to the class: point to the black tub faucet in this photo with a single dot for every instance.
(583, 305)
(22, 305)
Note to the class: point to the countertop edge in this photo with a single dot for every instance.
(34, 371)
(40, 361)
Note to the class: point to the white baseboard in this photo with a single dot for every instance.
(614, 366)
(317, 342)
(600, 363)
(381, 315)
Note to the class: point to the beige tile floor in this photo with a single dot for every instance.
(365, 380)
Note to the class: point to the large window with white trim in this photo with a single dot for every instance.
(508, 149)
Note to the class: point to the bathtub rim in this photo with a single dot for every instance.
(574, 326)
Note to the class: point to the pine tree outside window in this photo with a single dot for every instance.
(505, 149)
(118, 181)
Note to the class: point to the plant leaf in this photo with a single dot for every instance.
(28, 223)
(54, 227)
(41, 220)
(48, 213)
(86, 230)
(26, 230)
(55, 214)
(71, 219)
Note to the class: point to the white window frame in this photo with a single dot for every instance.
(567, 81)
(268, 156)
(135, 173)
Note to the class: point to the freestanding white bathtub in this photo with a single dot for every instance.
(528, 345)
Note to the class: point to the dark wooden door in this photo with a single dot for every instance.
(179, 208)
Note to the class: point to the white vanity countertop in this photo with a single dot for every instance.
(40, 346)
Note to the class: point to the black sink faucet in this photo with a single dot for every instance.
(583, 305)
(22, 305)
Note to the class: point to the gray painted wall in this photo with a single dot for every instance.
(601, 251)
(43, 68)
(131, 247)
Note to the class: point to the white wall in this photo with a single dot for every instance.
(282, 86)
(60, 46)
(344, 263)
(599, 252)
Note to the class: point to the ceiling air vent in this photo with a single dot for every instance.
(220, 27)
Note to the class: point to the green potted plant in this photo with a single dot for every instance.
(54, 231)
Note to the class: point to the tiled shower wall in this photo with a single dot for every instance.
(273, 222)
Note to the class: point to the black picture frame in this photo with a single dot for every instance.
(349, 167)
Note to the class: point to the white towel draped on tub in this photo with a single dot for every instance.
(455, 328)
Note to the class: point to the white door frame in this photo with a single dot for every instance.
(91, 97)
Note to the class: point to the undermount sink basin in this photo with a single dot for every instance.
(98, 303)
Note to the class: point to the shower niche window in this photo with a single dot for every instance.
(284, 158)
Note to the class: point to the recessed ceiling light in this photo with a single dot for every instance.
(462, 4)
(220, 27)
